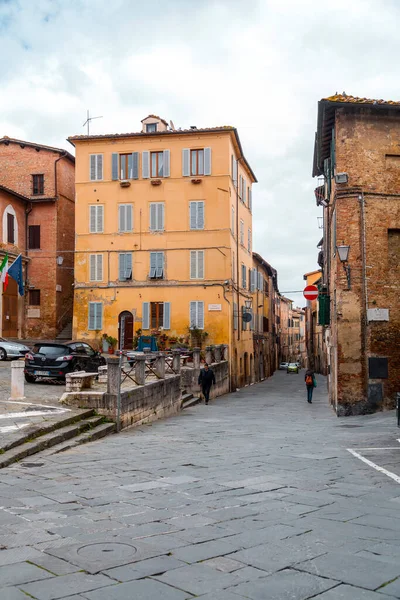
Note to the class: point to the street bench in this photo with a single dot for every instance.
(80, 380)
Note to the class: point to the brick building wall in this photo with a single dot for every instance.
(54, 212)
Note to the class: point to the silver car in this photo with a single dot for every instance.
(12, 349)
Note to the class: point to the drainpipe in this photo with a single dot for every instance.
(365, 285)
(237, 249)
(64, 153)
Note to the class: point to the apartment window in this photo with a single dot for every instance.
(156, 315)
(249, 240)
(234, 170)
(34, 297)
(95, 316)
(233, 220)
(244, 278)
(34, 237)
(244, 184)
(151, 127)
(125, 266)
(96, 167)
(37, 185)
(197, 162)
(96, 218)
(196, 315)
(96, 267)
(124, 166)
(10, 228)
(157, 164)
(157, 216)
(156, 265)
(197, 264)
(241, 232)
(125, 218)
(196, 214)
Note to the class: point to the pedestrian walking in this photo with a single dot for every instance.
(311, 383)
(206, 379)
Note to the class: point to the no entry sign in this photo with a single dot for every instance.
(310, 292)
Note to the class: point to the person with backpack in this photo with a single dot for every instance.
(311, 383)
(206, 379)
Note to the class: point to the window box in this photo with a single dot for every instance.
(196, 180)
(124, 183)
(156, 182)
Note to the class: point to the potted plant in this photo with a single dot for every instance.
(112, 341)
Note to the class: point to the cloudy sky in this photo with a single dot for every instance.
(260, 65)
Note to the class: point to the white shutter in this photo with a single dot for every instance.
(233, 220)
(249, 240)
(122, 217)
(153, 216)
(200, 264)
(235, 173)
(146, 315)
(98, 315)
(121, 267)
(99, 267)
(167, 315)
(193, 215)
(99, 220)
(92, 167)
(193, 264)
(160, 216)
(160, 264)
(99, 166)
(252, 280)
(235, 316)
(200, 315)
(244, 183)
(92, 219)
(207, 161)
(166, 163)
(146, 164)
(200, 215)
(185, 162)
(250, 199)
(135, 165)
(92, 263)
(129, 217)
(193, 314)
(128, 266)
(153, 264)
(91, 323)
(114, 166)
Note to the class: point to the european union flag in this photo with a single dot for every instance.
(15, 271)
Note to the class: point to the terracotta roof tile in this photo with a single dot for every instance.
(355, 100)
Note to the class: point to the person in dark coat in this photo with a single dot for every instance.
(309, 378)
(206, 379)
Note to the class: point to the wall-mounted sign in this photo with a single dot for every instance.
(33, 313)
(215, 307)
(378, 314)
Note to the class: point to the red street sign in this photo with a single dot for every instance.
(310, 292)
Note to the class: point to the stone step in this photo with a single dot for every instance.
(48, 440)
(189, 400)
(88, 436)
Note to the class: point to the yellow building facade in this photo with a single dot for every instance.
(164, 236)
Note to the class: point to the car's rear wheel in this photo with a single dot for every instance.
(3, 354)
(29, 378)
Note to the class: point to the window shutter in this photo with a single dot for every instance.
(122, 217)
(253, 320)
(200, 215)
(244, 184)
(129, 173)
(243, 321)
(207, 161)
(146, 315)
(235, 316)
(200, 264)
(92, 219)
(160, 216)
(235, 172)
(122, 267)
(114, 166)
(99, 223)
(193, 215)
(252, 281)
(153, 216)
(193, 264)
(185, 162)
(128, 265)
(92, 167)
(135, 165)
(99, 270)
(250, 199)
(200, 315)
(249, 240)
(91, 324)
(153, 264)
(92, 267)
(167, 315)
(99, 166)
(146, 164)
(167, 163)
(193, 314)
(129, 219)
(233, 220)
(160, 264)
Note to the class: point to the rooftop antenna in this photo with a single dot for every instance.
(87, 122)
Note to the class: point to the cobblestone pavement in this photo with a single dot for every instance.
(254, 496)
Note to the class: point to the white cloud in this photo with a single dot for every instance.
(260, 65)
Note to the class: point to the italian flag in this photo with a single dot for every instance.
(4, 272)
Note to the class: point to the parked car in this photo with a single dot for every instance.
(292, 368)
(11, 349)
(283, 365)
(54, 361)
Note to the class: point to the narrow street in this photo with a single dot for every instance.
(254, 496)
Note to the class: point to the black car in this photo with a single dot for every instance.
(54, 361)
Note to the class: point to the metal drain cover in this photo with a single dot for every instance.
(100, 550)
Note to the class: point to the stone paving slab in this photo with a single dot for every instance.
(58, 587)
(348, 592)
(146, 589)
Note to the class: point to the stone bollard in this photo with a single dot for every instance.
(218, 353)
(225, 352)
(196, 358)
(113, 375)
(140, 370)
(160, 365)
(209, 357)
(176, 361)
(17, 380)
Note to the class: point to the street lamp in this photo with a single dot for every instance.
(343, 252)
(247, 304)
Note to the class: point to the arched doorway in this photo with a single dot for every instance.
(251, 369)
(127, 318)
(246, 368)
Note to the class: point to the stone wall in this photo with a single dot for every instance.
(190, 376)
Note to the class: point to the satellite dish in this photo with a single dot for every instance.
(172, 125)
(247, 317)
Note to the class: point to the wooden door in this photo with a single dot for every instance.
(128, 330)
(10, 310)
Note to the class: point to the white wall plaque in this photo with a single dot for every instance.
(33, 313)
(215, 307)
(378, 314)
